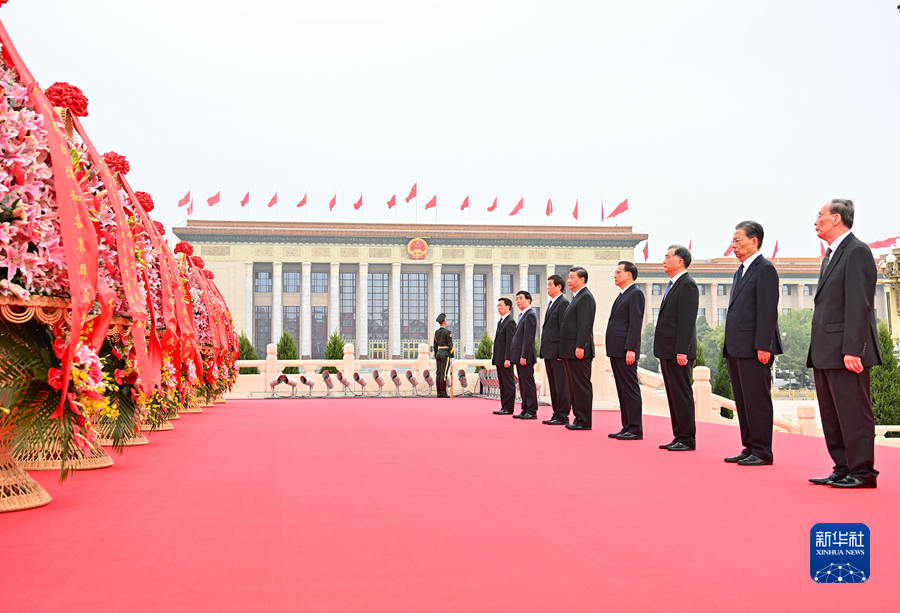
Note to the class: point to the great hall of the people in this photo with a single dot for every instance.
(382, 285)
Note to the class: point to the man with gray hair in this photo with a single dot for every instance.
(675, 344)
(843, 347)
(751, 342)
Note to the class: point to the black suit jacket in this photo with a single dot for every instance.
(844, 314)
(676, 326)
(623, 330)
(752, 321)
(577, 326)
(550, 329)
(522, 345)
(503, 340)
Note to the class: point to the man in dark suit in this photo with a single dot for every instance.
(523, 354)
(675, 344)
(506, 327)
(556, 370)
(623, 347)
(576, 347)
(843, 347)
(752, 340)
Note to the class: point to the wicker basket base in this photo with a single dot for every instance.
(163, 427)
(132, 441)
(50, 458)
(190, 409)
(219, 400)
(175, 416)
(18, 491)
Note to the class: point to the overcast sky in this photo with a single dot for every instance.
(701, 113)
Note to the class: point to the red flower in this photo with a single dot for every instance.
(118, 375)
(209, 274)
(116, 353)
(54, 378)
(59, 347)
(145, 200)
(184, 247)
(131, 377)
(110, 266)
(160, 229)
(117, 163)
(69, 97)
(197, 261)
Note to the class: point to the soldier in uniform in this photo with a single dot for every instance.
(443, 351)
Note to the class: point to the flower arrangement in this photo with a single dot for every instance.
(197, 261)
(69, 97)
(117, 163)
(184, 247)
(145, 200)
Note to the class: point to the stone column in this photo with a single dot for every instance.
(334, 298)
(362, 311)
(277, 310)
(435, 299)
(523, 278)
(492, 306)
(395, 311)
(648, 308)
(306, 311)
(467, 322)
(248, 300)
(714, 299)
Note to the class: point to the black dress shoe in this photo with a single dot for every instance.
(615, 434)
(527, 416)
(518, 415)
(667, 445)
(503, 412)
(577, 427)
(737, 458)
(827, 480)
(630, 436)
(555, 422)
(752, 460)
(850, 481)
(679, 446)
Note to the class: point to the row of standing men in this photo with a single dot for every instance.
(843, 347)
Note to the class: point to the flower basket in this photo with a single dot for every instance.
(46, 309)
(193, 404)
(48, 455)
(131, 439)
(18, 491)
(165, 426)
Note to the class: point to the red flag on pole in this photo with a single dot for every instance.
(775, 251)
(493, 206)
(246, 199)
(184, 201)
(190, 209)
(332, 203)
(302, 202)
(575, 210)
(392, 202)
(691, 245)
(358, 203)
(646, 250)
(549, 206)
(887, 242)
(602, 214)
(273, 201)
(623, 206)
(465, 204)
(519, 206)
(728, 251)
(432, 203)
(412, 193)
(213, 200)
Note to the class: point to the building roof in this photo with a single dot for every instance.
(376, 233)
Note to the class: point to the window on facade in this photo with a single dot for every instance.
(506, 283)
(379, 306)
(291, 281)
(262, 329)
(319, 282)
(292, 323)
(348, 305)
(534, 283)
(785, 290)
(655, 315)
(809, 290)
(450, 303)
(785, 311)
(703, 288)
(723, 289)
(413, 306)
(701, 312)
(319, 331)
(479, 304)
(722, 314)
(262, 281)
(657, 289)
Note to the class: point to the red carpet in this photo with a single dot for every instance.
(438, 505)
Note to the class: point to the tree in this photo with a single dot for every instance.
(334, 350)
(886, 381)
(722, 383)
(648, 361)
(485, 350)
(247, 352)
(287, 350)
(795, 328)
(710, 339)
(701, 358)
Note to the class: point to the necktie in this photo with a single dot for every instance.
(519, 318)
(668, 287)
(740, 272)
(824, 265)
(498, 327)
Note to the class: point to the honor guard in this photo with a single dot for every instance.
(443, 351)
